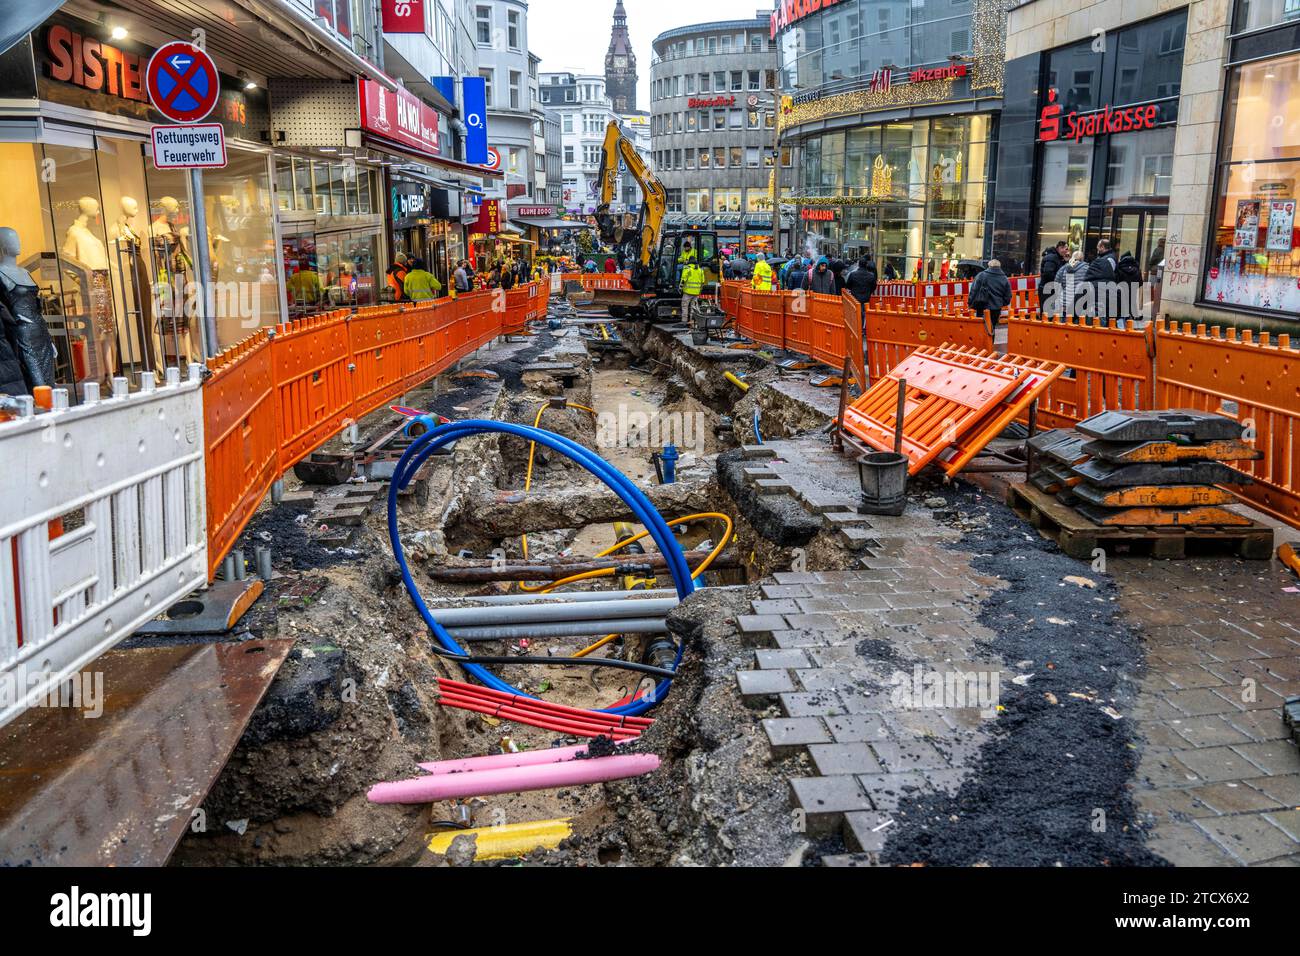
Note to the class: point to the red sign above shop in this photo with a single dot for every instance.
(403, 16)
(790, 12)
(700, 102)
(1077, 126)
(398, 116)
(819, 215)
(489, 219)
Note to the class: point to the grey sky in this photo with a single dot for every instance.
(574, 36)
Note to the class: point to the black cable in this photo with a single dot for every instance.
(557, 662)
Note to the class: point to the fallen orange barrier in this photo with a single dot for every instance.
(957, 401)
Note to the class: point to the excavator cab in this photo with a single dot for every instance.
(673, 255)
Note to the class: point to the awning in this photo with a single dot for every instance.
(552, 224)
(464, 169)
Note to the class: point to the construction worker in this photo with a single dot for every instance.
(687, 254)
(762, 281)
(692, 286)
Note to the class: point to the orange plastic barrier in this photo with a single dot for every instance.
(957, 401)
(309, 366)
(945, 399)
(593, 281)
(1107, 368)
(241, 428)
(893, 335)
(826, 343)
(767, 315)
(1247, 378)
(278, 395)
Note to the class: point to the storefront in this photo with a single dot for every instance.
(105, 235)
(1251, 260)
(426, 225)
(915, 193)
(331, 224)
(896, 160)
(1087, 146)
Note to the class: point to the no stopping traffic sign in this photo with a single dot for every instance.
(182, 82)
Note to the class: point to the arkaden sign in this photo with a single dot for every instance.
(1055, 124)
(790, 12)
(398, 116)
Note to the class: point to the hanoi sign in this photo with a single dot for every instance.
(1053, 126)
(398, 116)
(182, 82)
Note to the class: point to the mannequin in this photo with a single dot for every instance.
(81, 243)
(127, 238)
(20, 312)
(173, 265)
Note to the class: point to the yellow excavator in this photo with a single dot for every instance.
(655, 255)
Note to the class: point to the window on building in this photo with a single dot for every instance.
(704, 83)
(697, 201)
(726, 200)
(690, 122)
(720, 157)
(690, 159)
(566, 123)
(569, 159)
(483, 24)
(719, 82)
(756, 43)
(737, 81)
(674, 200)
(751, 156)
(755, 120)
(489, 80)
(719, 119)
(755, 80)
(736, 119)
(516, 89)
(690, 83)
(726, 44)
(512, 29)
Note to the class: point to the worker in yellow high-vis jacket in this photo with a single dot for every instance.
(692, 285)
(762, 281)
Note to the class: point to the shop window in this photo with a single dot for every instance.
(697, 201)
(1075, 72)
(1149, 60)
(1263, 116)
(1257, 14)
(1066, 173)
(242, 246)
(1139, 165)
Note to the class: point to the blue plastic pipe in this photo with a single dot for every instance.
(430, 443)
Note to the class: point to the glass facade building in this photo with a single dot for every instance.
(893, 108)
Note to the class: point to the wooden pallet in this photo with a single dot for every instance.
(1080, 538)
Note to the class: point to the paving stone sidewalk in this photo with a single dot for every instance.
(1220, 774)
(830, 646)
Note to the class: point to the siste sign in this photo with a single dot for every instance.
(1053, 126)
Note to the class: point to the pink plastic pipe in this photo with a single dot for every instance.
(525, 758)
(483, 783)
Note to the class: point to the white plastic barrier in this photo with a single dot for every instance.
(125, 475)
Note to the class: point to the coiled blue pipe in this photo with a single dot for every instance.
(428, 444)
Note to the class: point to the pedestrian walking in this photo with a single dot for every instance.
(1053, 259)
(823, 279)
(419, 284)
(862, 281)
(990, 293)
(1068, 281)
(1100, 278)
(396, 276)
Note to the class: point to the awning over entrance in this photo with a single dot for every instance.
(552, 224)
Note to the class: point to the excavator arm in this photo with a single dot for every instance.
(638, 246)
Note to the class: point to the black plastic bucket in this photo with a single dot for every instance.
(700, 336)
(884, 483)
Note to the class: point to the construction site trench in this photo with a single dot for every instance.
(788, 737)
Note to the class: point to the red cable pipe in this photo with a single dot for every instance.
(544, 705)
(547, 721)
(543, 724)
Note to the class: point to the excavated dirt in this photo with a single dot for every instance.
(1064, 732)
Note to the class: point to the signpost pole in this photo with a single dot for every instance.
(202, 266)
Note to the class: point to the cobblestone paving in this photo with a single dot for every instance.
(830, 645)
(1220, 775)
(1219, 778)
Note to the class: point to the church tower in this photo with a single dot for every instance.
(620, 65)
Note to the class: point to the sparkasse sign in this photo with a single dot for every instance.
(1053, 126)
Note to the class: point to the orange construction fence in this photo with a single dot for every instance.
(1248, 378)
(1108, 368)
(280, 394)
(593, 281)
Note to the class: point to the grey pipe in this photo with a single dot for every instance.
(498, 600)
(631, 625)
(548, 613)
